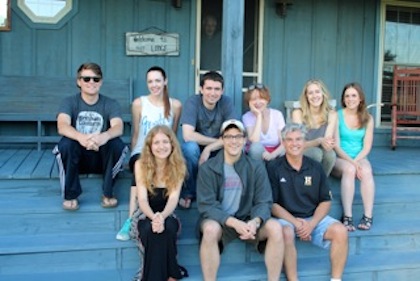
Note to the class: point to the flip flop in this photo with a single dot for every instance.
(109, 202)
(185, 203)
(71, 205)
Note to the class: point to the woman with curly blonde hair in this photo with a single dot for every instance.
(320, 121)
(159, 174)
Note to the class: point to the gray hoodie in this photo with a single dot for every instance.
(256, 198)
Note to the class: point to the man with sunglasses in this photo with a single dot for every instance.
(234, 201)
(90, 124)
(201, 119)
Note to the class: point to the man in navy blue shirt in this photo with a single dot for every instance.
(302, 201)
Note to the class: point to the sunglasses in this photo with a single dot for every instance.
(254, 86)
(89, 78)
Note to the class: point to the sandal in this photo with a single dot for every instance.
(71, 205)
(365, 223)
(185, 203)
(109, 202)
(348, 223)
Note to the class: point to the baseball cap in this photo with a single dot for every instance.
(232, 123)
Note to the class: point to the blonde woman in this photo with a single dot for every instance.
(159, 173)
(320, 121)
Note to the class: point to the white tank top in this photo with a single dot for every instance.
(151, 115)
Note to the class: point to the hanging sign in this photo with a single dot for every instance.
(152, 44)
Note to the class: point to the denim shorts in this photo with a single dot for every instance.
(318, 232)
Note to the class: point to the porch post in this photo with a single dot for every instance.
(232, 49)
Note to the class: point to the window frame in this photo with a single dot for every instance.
(8, 21)
(40, 22)
(381, 63)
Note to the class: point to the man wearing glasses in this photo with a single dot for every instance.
(90, 124)
(302, 201)
(234, 200)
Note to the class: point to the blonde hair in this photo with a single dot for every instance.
(305, 106)
(174, 170)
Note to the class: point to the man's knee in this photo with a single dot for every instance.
(288, 235)
(115, 146)
(191, 151)
(211, 231)
(273, 230)
(68, 146)
(337, 232)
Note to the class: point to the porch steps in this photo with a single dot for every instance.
(40, 241)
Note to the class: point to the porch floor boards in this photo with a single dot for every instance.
(40, 241)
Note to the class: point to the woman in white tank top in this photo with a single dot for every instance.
(147, 111)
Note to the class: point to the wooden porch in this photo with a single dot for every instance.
(40, 241)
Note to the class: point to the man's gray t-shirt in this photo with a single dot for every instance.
(232, 190)
(207, 122)
(89, 119)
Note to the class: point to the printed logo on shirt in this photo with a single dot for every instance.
(308, 181)
(283, 180)
(89, 122)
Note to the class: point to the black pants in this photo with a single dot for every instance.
(160, 250)
(73, 159)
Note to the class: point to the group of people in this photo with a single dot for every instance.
(261, 180)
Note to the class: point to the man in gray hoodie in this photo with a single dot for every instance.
(234, 200)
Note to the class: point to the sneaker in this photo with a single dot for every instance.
(124, 233)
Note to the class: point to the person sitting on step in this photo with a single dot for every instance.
(90, 125)
(302, 201)
(157, 108)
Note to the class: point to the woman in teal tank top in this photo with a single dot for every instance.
(354, 137)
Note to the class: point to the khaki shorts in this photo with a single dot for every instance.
(229, 234)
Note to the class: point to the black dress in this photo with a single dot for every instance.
(160, 251)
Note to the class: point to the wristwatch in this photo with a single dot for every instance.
(257, 222)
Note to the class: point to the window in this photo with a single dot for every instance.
(4, 14)
(401, 45)
(45, 11)
(209, 39)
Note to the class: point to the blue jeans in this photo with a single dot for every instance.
(191, 151)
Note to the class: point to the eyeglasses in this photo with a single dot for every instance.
(233, 137)
(254, 86)
(89, 78)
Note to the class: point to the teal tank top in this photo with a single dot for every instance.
(351, 140)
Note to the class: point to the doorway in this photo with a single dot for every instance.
(209, 39)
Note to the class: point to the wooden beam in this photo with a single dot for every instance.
(232, 46)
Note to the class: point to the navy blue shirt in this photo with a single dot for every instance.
(299, 192)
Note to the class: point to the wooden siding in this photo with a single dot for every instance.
(332, 40)
(97, 33)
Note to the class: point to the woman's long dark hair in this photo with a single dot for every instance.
(166, 103)
(362, 113)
